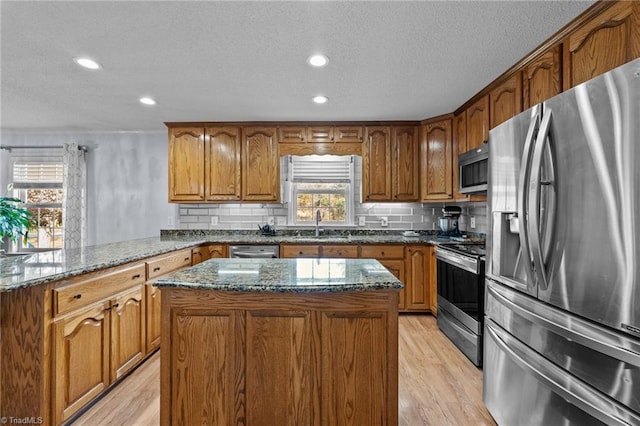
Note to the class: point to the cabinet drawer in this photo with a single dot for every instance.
(300, 251)
(340, 251)
(82, 292)
(166, 264)
(382, 252)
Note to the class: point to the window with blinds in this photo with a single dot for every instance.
(321, 183)
(39, 185)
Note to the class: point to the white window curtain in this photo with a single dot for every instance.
(74, 196)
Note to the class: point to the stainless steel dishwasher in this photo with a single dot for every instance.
(255, 251)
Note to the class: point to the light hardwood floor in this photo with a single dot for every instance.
(437, 385)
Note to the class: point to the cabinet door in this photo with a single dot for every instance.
(320, 134)
(81, 359)
(222, 174)
(199, 255)
(260, 165)
(436, 161)
(433, 281)
(293, 251)
(605, 42)
(186, 164)
(217, 251)
(396, 267)
(128, 343)
(417, 278)
(376, 165)
(405, 164)
(355, 381)
(340, 251)
(292, 134)
(542, 78)
(153, 307)
(478, 123)
(506, 100)
(348, 134)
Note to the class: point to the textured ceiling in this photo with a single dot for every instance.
(246, 61)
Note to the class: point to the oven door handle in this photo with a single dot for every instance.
(463, 262)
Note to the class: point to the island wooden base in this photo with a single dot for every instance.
(279, 358)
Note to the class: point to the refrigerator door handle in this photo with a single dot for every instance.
(533, 202)
(566, 385)
(571, 328)
(522, 187)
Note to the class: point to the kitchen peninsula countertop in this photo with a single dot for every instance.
(284, 275)
(38, 268)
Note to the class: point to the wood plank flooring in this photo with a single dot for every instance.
(437, 385)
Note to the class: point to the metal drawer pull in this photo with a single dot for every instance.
(186, 258)
(135, 277)
(156, 269)
(77, 296)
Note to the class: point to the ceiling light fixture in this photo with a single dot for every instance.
(147, 101)
(318, 60)
(320, 99)
(87, 63)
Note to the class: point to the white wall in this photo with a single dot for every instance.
(127, 176)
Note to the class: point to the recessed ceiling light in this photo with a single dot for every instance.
(147, 101)
(318, 60)
(320, 99)
(87, 63)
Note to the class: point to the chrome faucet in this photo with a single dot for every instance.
(318, 220)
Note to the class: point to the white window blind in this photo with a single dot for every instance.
(321, 169)
(27, 174)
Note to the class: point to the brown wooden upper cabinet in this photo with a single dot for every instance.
(390, 164)
(609, 40)
(260, 164)
(222, 159)
(436, 161)
(477, 122)
(405, 163)
(320, 134)
(186, 164)
(542, 78)
(376, 164)
(505, 101)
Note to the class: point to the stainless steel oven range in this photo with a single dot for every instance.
(460, 268)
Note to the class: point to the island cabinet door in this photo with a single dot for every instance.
(279, 373)
(81, 359)
(207, 361)
(358, 387)
(153, 306)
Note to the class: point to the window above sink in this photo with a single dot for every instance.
(323, 183)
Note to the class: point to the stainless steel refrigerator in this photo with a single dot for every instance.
(562, 301)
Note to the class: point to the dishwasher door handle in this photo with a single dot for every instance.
(253, 255)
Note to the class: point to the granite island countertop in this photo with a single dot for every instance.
(284, 275)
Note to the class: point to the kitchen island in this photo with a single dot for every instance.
(280, 341)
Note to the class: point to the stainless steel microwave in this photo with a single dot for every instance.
(473, 170)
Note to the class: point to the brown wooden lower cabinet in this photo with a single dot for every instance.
(414, 265)
(278, 358)
(95, 346)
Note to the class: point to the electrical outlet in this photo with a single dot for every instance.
(271, 221)
(384, 221)
(170, 221)
(214, 220)
(362, 220)
(472, 222)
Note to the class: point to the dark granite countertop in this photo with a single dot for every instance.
(39, 268)
(284, 275)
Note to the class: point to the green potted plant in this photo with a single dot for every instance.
(14, 220)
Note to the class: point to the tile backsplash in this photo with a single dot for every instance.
(400, 216)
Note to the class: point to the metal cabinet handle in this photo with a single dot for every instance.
(187, 258)
(77, 296)
(135, 277)
(156, 269)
